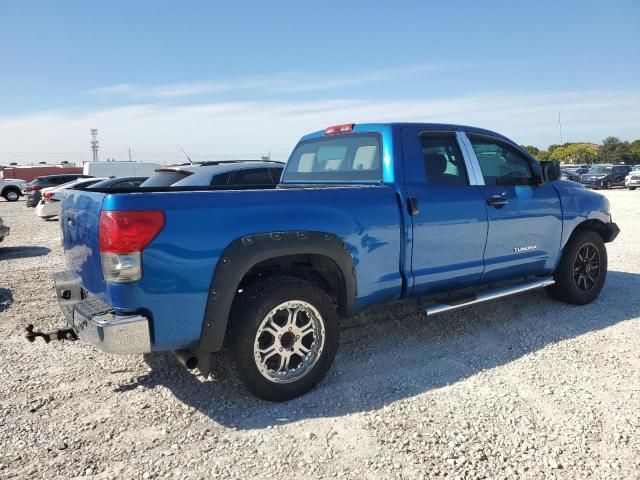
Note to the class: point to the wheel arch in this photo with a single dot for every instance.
(596, 225)
(10, 188)
(317, 256)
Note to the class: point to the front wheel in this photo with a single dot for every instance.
(582, 270)
(631, 188)
(284, 337)
(607, 185)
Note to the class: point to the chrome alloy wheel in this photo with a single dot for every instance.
(289, 341)
(586, 268)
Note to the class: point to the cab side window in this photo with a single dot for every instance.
(442, 159)
(500, 163)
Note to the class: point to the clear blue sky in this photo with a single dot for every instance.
(69, 62)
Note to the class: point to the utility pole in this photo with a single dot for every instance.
(129, 154)
(560, 126)
(94, 143)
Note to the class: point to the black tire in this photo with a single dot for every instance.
(607, 184)
(631, 188)
(252, 308)
(11, 194)
(575, 282)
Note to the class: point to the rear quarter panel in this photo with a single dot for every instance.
(179, 263)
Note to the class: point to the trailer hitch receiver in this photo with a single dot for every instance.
(59, 334)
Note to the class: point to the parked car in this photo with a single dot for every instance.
(224, 173)
(605, 176)
(632, 180)
(121, 182)
(575, 168)
(32, 189)
(4, 230)
(363, 215)
(49, 205)
(568, 174)
(11, 189)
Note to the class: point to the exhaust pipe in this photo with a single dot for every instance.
(186, 358)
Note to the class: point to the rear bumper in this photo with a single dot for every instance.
(32, 199)
(612, 232)
(96, 323)
(4, 231)
(47, 209)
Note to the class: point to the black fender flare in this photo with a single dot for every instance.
(244, 253)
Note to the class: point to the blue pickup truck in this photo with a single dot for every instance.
(364, 214)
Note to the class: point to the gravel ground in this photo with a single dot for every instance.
(519, 388)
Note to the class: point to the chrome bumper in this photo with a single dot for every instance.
(96, 323)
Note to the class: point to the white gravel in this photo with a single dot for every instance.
(518, 388)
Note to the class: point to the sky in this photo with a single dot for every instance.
(242, 79)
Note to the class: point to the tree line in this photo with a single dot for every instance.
(612, 150)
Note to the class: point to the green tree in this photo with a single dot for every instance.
(534, 151)
(614, 150)
(574, 153)
(634, 148)
(543, 155)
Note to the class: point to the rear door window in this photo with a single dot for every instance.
(341, 158)
(276, 173)
(165, 178)
(252, 176)
(443, 162)
(220, 179)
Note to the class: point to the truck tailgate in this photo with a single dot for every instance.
(79, 220)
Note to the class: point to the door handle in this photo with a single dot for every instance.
(497, 201)
(413, 207)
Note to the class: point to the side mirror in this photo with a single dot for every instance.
(550, 171)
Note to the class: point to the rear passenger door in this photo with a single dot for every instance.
(448, 212)
(525, 216)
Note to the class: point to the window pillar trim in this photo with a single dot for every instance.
(470, 159)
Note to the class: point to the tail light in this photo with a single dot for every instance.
(123, 235)
(47, 195)
(32, 188)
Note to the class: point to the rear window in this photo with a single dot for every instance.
(85, 185)
(343, 158)
(165, 178)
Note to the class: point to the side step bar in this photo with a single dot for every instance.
(489, 295)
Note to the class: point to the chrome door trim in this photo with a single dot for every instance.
(470, 159)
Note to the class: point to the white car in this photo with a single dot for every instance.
(632, 180)
(49, 205)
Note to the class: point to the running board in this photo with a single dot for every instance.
(489, 295)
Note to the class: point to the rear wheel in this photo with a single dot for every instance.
(284, 337)
(631, 188)
(11, 195)
(582, 271)
(607, 184)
